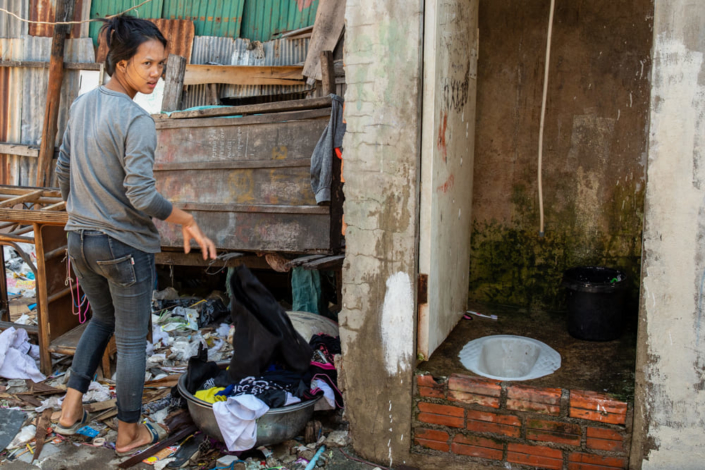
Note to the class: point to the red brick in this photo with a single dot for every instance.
(536, 450)
(435, 445)
(536, 456)
(473, 451)
(553, 431)
(594, 401)
(605, 439)
(431, 434)
(429, 392)
(605, 462)
(477, 441)
(601, 433)
(609, 418)
(441, 409)
(475, 446)
(477, 385)
(551, 396)
(522, 405)
(427, 381)
(442, 420)
(472, 399)
(482, 421)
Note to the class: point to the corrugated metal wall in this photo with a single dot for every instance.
(11, 27)
(226, 51)
(256, 20)
(43, 10)
(22, 113)
(264, 18)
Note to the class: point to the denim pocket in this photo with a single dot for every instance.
(77, 272)
(119, 271)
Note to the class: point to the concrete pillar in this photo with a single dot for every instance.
(669, 427)
(381, 151)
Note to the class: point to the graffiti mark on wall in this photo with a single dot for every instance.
(456, 92)
(442, 145)
(447, 186)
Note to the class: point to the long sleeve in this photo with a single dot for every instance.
(63, 164)
(140, 185)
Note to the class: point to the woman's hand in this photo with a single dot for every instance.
(192, 231)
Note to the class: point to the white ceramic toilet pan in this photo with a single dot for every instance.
(509, 358)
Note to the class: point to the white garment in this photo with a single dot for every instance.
(291, 399)
(328, 402)
(237, 420)
(15, 360)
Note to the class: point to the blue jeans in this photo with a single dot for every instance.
(118, 280)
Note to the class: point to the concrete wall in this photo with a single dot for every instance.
(381, 150)
(669, 428)
(594, 145)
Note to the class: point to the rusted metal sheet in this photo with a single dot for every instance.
(43, 10)
(11, 27)
(226, 51)
(178, 33)
(22, 115)
(247, 182)
(103, 8)
(220, 18)
(262, 19)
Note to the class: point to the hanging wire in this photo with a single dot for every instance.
(71, 22)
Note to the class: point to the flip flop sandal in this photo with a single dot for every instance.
(71, 430)
(158, 433)
(187, 450)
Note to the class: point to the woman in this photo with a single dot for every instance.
(105, 174)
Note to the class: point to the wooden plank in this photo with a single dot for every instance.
(304, 259)
(21, 231)
(101, 406)
(249, 208)
(327, 73)
(29, 217)
(329, 24)
(32, 330)
(243, 74)
(242, 121)
(17, 190)
(168, 381)
(234, 165)
(297, 32)
(328, 262)
(42, 299)
(19, 149)
(45, 65)
(66, 343)
(174, 82)
(60, 294)
(59, 206)
(275, 107)
(63, 12)
(173, 258)
(20, 199)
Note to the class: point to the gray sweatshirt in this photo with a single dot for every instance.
(105, 170)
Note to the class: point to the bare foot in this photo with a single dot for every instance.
(132, 438)
(70, 417)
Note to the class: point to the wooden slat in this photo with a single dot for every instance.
(31, 329)
(196, 259)
(59, 206)
(19, 149)
(17, 190)
(28, 217)
(327, 73)
(269, 208)
(66, 343)
(234, 165)
(59, 294)
(23, 198)
(45, 65)
(304, 259)
(275, 107)
(54, 253)
(174, 82)
(21, 231)
(243, 121)
(243, 74)
(327, 29)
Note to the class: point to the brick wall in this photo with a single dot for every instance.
(492, 422)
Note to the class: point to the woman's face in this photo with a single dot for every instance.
(141, 73)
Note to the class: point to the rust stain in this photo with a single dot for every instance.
(303, 4)
(178, 33)
(43, 10)
(442, 138)
(447, 186)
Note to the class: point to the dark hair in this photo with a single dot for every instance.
(123, 35)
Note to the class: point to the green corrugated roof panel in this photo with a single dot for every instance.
(221, 18)
(263, 18)
(102, 8)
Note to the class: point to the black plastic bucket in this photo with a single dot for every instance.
(595, 302)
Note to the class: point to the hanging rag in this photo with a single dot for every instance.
(322, 158)
(263, 331)
(237, 420)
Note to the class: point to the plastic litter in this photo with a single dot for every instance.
(24, 436)
(88, 432)
(491, 317)
(54, 403)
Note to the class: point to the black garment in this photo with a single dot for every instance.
(329, 345)
(199, 370)
(263, 331)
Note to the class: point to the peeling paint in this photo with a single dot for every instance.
(397, 331)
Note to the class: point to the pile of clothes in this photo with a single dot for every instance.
(272, 365)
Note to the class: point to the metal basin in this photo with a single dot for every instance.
(275, 426)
